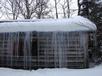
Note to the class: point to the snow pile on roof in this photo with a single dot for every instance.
(77, 23)
(97, 71)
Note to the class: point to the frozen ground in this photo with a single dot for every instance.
(96, 71)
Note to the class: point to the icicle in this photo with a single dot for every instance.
(3, 50)
(27, 50)
(17, 44)
(8, 48)
(54, 44)
(58, 45)
(11, 47)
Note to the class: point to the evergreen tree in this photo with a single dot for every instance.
(92, 9)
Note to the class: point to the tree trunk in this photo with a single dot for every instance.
(78, 7)
(56, 9)
(68, 9)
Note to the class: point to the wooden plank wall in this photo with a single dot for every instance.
(32, 50)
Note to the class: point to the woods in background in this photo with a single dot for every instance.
(36, 9)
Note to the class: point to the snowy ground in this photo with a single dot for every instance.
(96, 71)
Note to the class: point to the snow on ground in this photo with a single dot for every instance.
(96, 71)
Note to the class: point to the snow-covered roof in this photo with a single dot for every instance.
(77, 23)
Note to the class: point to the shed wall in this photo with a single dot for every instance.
(31, 50)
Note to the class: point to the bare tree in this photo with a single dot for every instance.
(42, 9)
(56, 8)
(0, 10)
(56, 2)
(0, 5)
(63, 5)
(68, 8)
(27, 8)
(11, 9)
(78, 3)
(33, 8)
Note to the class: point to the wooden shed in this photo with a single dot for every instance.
(46, 43)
